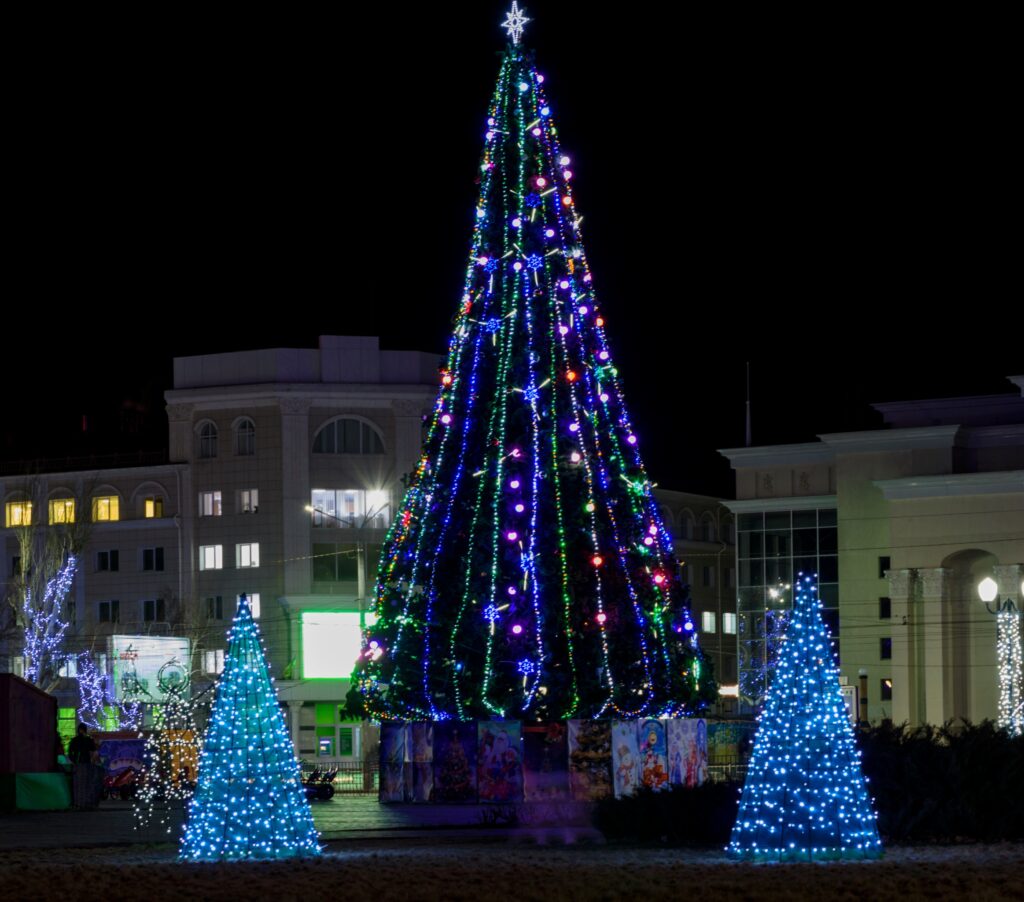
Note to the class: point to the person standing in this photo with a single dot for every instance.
(82, 752)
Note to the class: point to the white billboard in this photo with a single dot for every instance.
(146, 668)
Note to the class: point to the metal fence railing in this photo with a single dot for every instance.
(721, 769)
(351, 778)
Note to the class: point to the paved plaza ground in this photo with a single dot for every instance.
(439, 853)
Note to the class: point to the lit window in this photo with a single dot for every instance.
(19, 513)
(213, 661)
(153, 610)
(106, 508)
(207, 440)
(331, 642)
(210, 504)
(254, 603)
(245, 438)
(348, 436)
(247, 555)
(351, 508)
(153, 508)
(886, 690)
(707, 621)
(248, 501)
(69, 669)
(729, 623)
(211, 557)
(62, 510)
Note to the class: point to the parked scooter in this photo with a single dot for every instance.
(122, 785)
(319, 785)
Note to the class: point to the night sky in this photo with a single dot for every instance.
(826, 197)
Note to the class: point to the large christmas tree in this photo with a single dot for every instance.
(805, 796)
(528, 572)
(249, 802)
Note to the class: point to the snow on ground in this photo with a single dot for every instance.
(499, 870)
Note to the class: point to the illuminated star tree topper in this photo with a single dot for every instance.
(515, 23)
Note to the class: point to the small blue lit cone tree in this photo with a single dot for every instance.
(249, 802)
(805, 796)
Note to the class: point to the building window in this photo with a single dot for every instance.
(884, 563)
(213, 660)
(106, 508)
(153, 508)
(247, 555)
(730, 578)
(350, 508)
(348, 436)
(709, 531)
(708, 576)
(211, 557)
(215, 607)
(245, 438)
(19, 513)
(885, 690)
(107, 560)
(729, 623)
(707, 621)
(207, 441)
(153, 559)
(254, 603)
(210, 504)
(153, 610)
(335, 563)
(884, 608)
(69, 669)
(72, 611)
(110, 612)
(62, 510)
(885, 649)
(249, 501)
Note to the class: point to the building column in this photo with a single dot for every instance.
(905, 674)
(294, 718)
(936, 659)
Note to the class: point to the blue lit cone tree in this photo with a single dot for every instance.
(528, 572)
(249, 802)
(805, 796)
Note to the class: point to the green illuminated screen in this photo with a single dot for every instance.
(331, 642)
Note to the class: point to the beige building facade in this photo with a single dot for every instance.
(922, 510)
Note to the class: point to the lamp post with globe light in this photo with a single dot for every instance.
(1008, 655)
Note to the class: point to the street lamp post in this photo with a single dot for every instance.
(1008, 655)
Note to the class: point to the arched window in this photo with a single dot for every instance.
(347, 435)
(207, 440)
(708, 529)
(245, 437)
